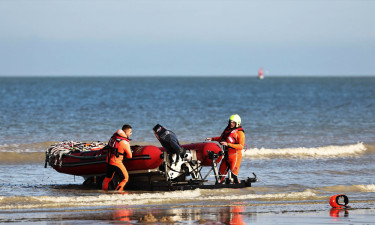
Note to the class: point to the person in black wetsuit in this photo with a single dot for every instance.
(169, 141)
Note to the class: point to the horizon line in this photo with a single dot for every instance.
(186, 75)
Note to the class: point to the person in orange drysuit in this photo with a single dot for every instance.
(118, 147)
(233, 140)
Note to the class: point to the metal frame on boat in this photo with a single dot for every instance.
(159, 180)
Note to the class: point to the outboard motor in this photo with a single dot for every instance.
(169, 141)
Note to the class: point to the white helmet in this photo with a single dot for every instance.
(235, 118)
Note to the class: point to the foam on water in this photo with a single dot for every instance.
(21, 202)
(197, 196)
(352, 188)
(42, 146)
(105, 199)
(274, 196)
(318, 152)
(109, 199)
(35, 152)
(25, 147)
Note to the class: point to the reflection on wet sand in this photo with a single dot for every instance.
(122, 214)
(226, 215)
(233, 215)
(338, 212)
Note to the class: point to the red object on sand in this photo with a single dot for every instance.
(339, 201)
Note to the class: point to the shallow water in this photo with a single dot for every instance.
(291, 182)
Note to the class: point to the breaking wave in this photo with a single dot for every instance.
(43, 146)
(354, 188)
(29, 147)
(317, 152)
(35, 152)
(198, 196)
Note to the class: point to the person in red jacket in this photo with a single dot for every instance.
(233, 140)
(118, 147)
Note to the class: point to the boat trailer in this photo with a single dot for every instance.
(183, 174)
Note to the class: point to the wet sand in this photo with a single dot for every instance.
(169, 214)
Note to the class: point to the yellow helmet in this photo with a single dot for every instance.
(235, 118)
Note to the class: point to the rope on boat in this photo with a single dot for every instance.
(85, 157)
(57, 151)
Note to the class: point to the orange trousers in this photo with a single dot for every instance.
(232, 161)
(121, 171)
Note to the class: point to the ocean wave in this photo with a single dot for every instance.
(111, 199)
(35, 153)
(197, 196)
(25, 147)
(271, 196)
(43, 146)
(353, 188)
(105, 199)
(317, 152)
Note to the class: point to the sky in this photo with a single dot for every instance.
(187, 38)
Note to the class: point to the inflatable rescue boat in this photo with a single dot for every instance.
(150, 168)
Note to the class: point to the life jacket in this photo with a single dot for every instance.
(112, 146)
(228, 134)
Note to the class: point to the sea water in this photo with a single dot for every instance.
(306, 139)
